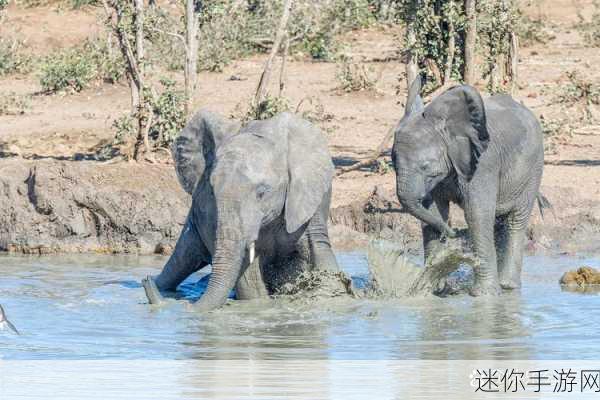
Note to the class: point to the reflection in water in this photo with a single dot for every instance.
(92, 307)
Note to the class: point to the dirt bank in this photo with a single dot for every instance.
(86, 206)
(52, 206)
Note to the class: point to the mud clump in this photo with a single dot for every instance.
(318, 284)
(582, 277)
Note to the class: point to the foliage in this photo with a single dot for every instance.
(429, 21)
(67, 70)
(353, 76)
(322, 46)
(73, 69)
(268, 108)
(167, 119)
(76, 4)
(168, 114)
(12, 57)
(531, 31)
(591, 30)
(108, 63)
(495, 25)
(14, 104)
(578, 90)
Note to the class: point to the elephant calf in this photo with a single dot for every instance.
(487, 156)
(260, 204)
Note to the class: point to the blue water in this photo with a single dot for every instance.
(92, 307)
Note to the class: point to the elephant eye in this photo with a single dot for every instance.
(262, 190)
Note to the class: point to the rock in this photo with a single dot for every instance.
(48, 206)
(583, 276)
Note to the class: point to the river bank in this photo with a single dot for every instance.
(55, 206)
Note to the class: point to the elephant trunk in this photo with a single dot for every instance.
(229, 256)
(411, 192)
(226, 270)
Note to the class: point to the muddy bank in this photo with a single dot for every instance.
(571, 226)
(49, 206)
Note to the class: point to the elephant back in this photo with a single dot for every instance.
(195, 147)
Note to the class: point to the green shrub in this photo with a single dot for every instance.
(14, 104)
(354, 77)
(76, 4)
(168, 118)
(531, 31)
(321, 46)
(168, 114)
(12, 58)
(268, 108)
(578, 90)
(3, 4)
(68, 70)
(591, 30)
(109, 65)
(73, 69)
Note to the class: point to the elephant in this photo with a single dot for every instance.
(486, 156)
(260, 204)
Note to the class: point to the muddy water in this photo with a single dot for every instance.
(92, 307)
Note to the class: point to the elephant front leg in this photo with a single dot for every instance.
(480, 218)
(251, 284)
(321, 254)
(431, 236)
(189, 256)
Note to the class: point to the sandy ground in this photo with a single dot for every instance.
(354, 123)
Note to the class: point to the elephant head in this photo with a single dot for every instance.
(432, 143)
(272, 171)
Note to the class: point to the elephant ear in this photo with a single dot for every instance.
(195, 147)
(414, 102)
(310, 170)
(462, 115)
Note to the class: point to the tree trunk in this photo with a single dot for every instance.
(142, 136)
(266, 75)
(451, 47)
(412, 68)
(470, 42)
(513, 62)
(191, 54)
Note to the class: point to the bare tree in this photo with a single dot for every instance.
(451, 44)
(412, 67)
(191, 53)
(470, 42)
(115, 11)
(261, 90)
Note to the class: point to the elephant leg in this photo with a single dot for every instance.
(510, 270)
(189, 256)
(501, 241)
(251, 284)
(431, 236)
(480, 216)
(321, 254)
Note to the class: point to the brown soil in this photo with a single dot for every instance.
(59, 127)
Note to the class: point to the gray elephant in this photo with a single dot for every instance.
(260, 205)
(487, 156)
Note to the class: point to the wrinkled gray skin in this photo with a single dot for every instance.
(487, 156)
(261, 196)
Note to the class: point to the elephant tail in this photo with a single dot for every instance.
(544, 204)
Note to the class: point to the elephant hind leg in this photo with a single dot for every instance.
(509, 270)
